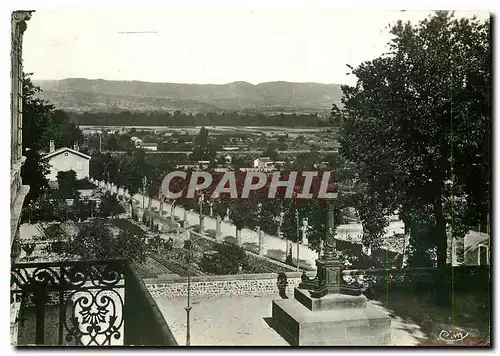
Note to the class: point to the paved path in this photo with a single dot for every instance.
(247, 235)
(350, 232)
(241, 321)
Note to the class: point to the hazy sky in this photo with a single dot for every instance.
(207, 45)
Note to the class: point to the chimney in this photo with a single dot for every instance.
(75, 146)
(51, 146)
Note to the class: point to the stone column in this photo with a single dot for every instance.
(172, 210)
(305, 241)
(238, 237)
(261, 242)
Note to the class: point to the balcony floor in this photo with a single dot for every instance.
(241, 321)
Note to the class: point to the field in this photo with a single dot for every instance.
(193, 130)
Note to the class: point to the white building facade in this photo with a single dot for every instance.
(65, 159)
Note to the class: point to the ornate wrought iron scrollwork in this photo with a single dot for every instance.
(95, 317)
(105, 275)
(90, 296)
(28, 278)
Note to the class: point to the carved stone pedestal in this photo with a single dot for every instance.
(334, 320)
(325, 311)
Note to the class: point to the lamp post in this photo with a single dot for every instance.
(189, 307)
(298, 237)
(259, 229)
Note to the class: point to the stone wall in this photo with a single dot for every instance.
(243, 284)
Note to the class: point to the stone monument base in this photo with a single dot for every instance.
(334, 320)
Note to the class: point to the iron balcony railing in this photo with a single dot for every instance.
(98, 303)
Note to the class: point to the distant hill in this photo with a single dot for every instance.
(272, 97)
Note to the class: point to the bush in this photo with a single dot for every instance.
(53, 232)
(226, 259)
(110, 206)
(230, 240)
(210, 233)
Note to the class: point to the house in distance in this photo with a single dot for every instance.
(67, 159)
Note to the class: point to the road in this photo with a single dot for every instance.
(272, 244)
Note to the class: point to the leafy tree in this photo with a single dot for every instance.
(271, 151)
(419, 117)
(53, 232)
(60, 129)
(130, 175)
(82, 209)
(203, 150)
(95, 241)
(49, 207)
(110, 206)
(36, 116)
(270, 210)
(34, 173)
(42, 123)
(96, 166)
(112, 143)
(67, 184)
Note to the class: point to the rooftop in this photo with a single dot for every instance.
(65, 149)
(265, 159)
